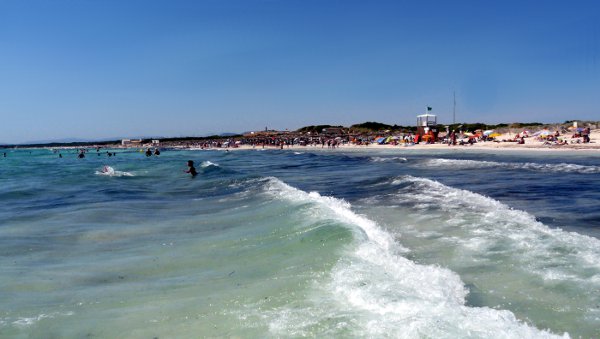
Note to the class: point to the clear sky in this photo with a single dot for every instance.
(108, 69)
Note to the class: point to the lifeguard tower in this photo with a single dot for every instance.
(426, 126)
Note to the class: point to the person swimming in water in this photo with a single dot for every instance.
(191, 169)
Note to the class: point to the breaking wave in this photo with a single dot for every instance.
(530, 166)
(387, 159)
(375, 291)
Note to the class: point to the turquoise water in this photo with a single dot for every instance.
(385, 243)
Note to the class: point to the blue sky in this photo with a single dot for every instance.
(103, 69)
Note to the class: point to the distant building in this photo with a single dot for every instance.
(426, 124)
(155, 142)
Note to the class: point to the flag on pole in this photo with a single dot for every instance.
(428, 108)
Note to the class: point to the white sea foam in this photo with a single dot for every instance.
(111, 172)
(531, 166)
(208, 163)
(486, 222)
(375, 291)
(387, 159)
(23, 322)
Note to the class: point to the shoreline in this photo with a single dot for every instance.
(488, 146)
(481, 146)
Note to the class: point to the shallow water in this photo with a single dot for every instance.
(385, 243)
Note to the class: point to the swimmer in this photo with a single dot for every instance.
(148, 153)
(156, 151)
(59, 155)
(191, 169)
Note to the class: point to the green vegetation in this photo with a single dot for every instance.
(374, 127)
(478, 125)
(316, 128)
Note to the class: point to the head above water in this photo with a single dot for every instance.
(190, 163)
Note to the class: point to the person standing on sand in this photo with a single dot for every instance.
(191, 169)
(586, 135)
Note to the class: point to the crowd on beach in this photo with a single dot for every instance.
(450, 138)
(559, 136)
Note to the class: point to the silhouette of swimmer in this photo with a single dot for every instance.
(148, 153)
(156, 151)
(59, 155)
(191, 169)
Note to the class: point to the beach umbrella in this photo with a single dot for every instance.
(488, 132)
(380, 140)
(493, 135)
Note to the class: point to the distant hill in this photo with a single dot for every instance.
(315, 128)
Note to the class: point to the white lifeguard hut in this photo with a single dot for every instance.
(426, 124)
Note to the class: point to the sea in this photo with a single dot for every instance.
(310, 242)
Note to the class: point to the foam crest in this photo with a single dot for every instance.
(336, 207)
(574, 256)
(530, 166)
(207, 163)
(23, 322)
(388, 159)
(375, 291)
(111, 172)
